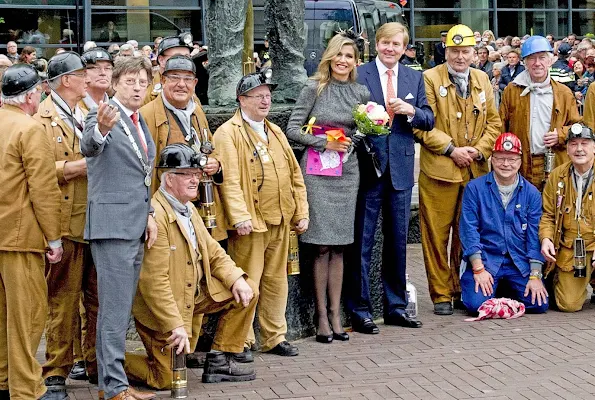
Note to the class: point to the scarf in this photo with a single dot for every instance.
(461, 80)
(66, 114)
(184, 212)
(581, 183)
(182, 209)
(502, 308)
(524, 79)
(183, 114)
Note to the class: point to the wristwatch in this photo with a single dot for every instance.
(537, 274)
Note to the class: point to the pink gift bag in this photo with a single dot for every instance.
(326, 163)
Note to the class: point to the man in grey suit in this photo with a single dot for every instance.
(120, 154)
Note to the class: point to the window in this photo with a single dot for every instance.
(553, 4)
(583, 22)
(145, 3)
(143, 25)
(428, 24)
(519, 23)
(39, 28)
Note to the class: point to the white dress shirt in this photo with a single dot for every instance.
(384, 77)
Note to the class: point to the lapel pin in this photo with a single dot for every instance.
(443, 91)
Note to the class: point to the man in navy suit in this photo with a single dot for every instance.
(388, 183)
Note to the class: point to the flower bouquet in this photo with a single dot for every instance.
(371, 119)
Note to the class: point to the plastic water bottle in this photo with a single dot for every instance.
(411, 309)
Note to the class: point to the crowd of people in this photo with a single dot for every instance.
(117, 200)
(501, 59)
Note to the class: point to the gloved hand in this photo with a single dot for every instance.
(357, 139)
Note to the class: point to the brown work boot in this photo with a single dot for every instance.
(125, 395)
(141, 395)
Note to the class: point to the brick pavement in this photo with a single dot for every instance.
(535, 357)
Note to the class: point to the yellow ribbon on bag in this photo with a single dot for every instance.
(307, 129)
(331, 134)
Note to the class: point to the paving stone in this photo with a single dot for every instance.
(534, 357)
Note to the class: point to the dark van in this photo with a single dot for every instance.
(325, 17)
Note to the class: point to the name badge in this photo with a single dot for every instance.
(59, 139)
(482, 97)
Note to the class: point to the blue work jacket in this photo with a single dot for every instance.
(487, 227)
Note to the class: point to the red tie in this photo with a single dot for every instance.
(134, 118)
(390, 94)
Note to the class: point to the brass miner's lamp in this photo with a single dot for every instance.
(179, 380)
(293, 258)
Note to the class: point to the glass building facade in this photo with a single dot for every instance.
(48, 24)
(504, 17)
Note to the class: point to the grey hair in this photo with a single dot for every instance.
(126, 47)
(162, 178)
(19, 98)
(498, 66)
(89, 45)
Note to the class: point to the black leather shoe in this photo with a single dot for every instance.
(56, 386)
(55, 382)
(366, 326)
(284, 349)
(243, 357)
(4, 395)
(343, 336)
(78, 371)
(443, 308)
(324, 338)
(402, 320)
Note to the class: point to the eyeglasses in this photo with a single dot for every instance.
(504, 160)
(80, 75)
(143, 83)
(260, 97)
(188, 80)
(189, 175)
(106, 69)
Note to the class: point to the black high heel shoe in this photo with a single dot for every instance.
(324, 338)
(343, 336)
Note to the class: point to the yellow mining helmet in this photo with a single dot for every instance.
(460, 35)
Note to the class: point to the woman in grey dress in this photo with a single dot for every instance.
(330, 96)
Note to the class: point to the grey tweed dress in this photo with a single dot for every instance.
(331, 199)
